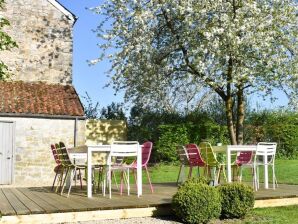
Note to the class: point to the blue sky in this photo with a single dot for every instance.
(93, 78)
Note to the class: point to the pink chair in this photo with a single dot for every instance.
(194, 158)
(244, 159)
(146, 153)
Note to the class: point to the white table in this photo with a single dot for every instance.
(105, 148)
(239, 148)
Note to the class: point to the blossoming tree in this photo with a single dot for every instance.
(233, 47)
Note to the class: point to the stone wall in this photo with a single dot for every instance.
(105, 131)
(44, 36)
(34, 161)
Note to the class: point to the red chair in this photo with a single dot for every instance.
(146, 153)
(194, 158)
(58, 168)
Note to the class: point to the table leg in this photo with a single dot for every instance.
(229, 165)
(139, 171)
(89, 176)
(266, 172)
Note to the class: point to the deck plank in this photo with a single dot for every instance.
(39, 200)
(31, 205)
(42, 200)
(70, 203)
(18, 206)
(5, 206)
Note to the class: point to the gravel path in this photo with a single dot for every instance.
(150, 220)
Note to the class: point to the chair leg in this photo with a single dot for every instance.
(240, 175)
(274, 177)
(60, 179)
(121, 182)
(115, 180)
(255, 178)
(99, 180)
(80, 179)
(224, 173)
(135, 178)
(64, 181)
(190, 172)
(71, 179)
(128, 186)
(179, 174)
(110, 182)
(148, 176)
(54, 180)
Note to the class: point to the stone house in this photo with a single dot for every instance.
(38, 105)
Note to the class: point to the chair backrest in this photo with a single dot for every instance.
(63, 154)
(54, 151)
(244, 157)
(146, 152)
(266, 149)
(123, 149)
(183, 155)
(194, 155)
(208, 154)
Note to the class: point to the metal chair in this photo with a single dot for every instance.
(195, 158)
(122, 149)
(69, 166)
(212, 161)
(146, 153)
(58, 168)
(265, 155)
(183, 157)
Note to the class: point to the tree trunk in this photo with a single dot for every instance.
(230, 123)
(240, 115)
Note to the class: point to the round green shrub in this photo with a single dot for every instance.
(196, 202)
(237, 200)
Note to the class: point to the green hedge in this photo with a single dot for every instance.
(196, 202)
(277, 127)
(181, 134)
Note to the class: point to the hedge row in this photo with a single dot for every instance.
(168, 131)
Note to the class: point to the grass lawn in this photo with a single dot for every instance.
(277, 215)
(286, 172)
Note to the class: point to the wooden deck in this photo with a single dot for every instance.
(41, 200)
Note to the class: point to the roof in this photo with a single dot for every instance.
(64, 10)
(38, 98)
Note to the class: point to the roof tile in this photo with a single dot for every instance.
(39, 98)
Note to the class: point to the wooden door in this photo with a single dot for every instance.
(7, 133)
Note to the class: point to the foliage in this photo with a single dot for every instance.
(6, 43)
(278, 126)
(91, 110)
(196, 180)
(171, 137)
(113, 112)
(230, 47)
(237, 200)
(196, 202)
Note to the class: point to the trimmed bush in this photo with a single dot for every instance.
(237, 200)
(196, 202)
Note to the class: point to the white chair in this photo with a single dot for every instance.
(121, 149)
(265, 151)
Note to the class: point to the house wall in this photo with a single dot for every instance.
(105, 131)
(44, 36)
(34, 161)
